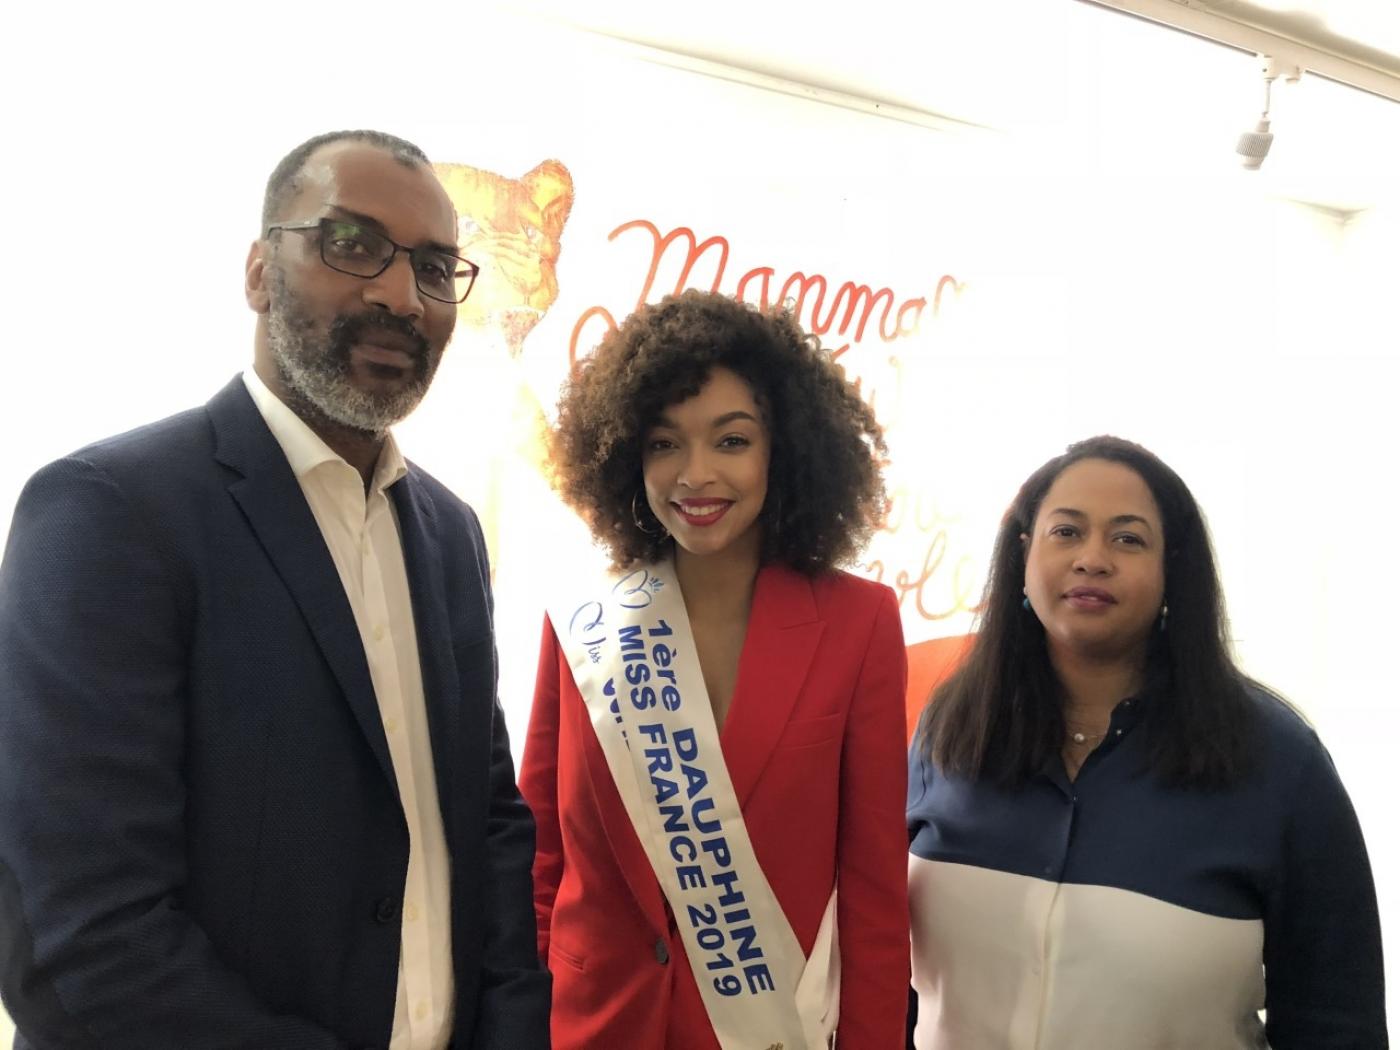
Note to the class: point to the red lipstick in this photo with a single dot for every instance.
(701, 512)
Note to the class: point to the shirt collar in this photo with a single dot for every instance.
(1127, 714)
(304, 448)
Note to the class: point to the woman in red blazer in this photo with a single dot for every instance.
(720, 436)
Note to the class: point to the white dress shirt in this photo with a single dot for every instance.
(362, 532)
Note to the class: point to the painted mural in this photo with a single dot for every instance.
(514, 227)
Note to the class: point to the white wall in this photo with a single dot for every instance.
(1115, 281)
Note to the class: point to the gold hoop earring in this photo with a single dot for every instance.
(660, 529)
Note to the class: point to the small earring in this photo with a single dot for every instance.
(660, 530)
(1026, 604)
(1162, 624)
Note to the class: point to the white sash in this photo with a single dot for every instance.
(629, 645)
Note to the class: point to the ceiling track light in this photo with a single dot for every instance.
(1253, 146)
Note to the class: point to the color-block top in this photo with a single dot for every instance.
(1114, 913)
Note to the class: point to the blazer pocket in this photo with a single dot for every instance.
(567, 957)
(813, 732)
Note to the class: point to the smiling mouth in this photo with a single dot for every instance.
(702, 512)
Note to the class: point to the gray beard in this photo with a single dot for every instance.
(319, 374)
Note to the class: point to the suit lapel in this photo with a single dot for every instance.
(781, 641)
(276, 509)
(627, 847)
(423, 563)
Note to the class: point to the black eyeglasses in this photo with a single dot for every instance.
(349, 247)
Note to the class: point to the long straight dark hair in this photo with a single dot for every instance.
(999, 717)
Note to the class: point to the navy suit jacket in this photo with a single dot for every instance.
(201, 841)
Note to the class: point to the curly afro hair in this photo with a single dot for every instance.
(825, 491)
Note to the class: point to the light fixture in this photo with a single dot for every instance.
(1253, 146)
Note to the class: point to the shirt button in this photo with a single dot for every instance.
(663, 954)
(410, 912)
(421, 1010)
(385, 909)
(391, 725)
(378, 632)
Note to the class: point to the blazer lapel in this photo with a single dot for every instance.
(778, 649)
(782, 639)
(276, 509)
(441, 688)
(627, 847)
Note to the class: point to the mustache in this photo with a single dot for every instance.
(348, 329)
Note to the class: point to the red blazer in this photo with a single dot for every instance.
(815, 746)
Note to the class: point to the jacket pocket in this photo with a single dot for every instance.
(812, 732)
(566, 957)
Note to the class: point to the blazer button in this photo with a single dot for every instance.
(663, 954)
(385, 910)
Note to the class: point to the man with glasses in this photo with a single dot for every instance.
(255, 788)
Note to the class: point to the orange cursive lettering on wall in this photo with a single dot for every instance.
(955, 579)
(692, 255)
(919, 584)
(846, 318)
(588, 315)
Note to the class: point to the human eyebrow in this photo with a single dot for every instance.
(378, 227)
(359, 217)
(1117, 519)
(1131, 519)
(730, 417)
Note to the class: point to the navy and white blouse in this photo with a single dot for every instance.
(1114, 913)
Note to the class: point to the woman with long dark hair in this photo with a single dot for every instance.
(715, 754)
(1118, 840)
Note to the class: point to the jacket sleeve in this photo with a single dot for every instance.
(539, 782)
(513, 1006)
(873, 846)
(95, 950)
(1323, 972)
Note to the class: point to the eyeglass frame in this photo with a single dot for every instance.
(319, 225)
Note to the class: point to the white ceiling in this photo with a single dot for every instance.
(1063, 75)
(1367, 29)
